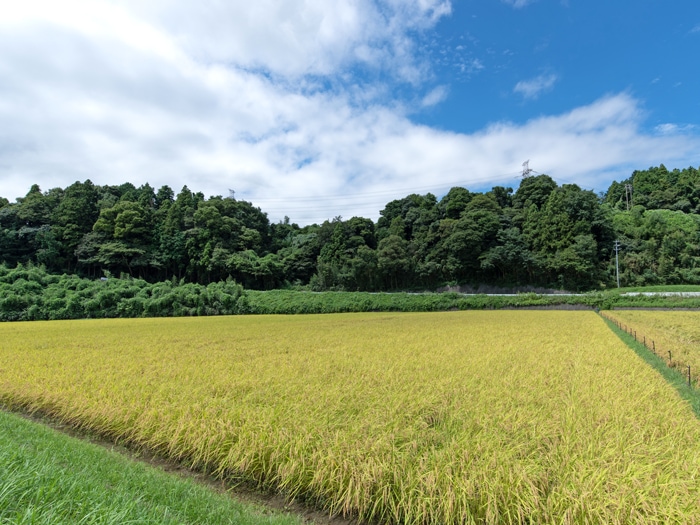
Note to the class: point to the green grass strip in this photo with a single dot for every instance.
(50, 478)
(659, 288)
(674, 377)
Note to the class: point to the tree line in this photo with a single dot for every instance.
(543, 235)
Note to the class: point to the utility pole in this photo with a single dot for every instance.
(617, 262)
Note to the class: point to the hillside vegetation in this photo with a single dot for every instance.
(542, 235)
(31, 294)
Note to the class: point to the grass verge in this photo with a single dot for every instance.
(50, 478)
(660, 288)
(299, 302)
(674, 377)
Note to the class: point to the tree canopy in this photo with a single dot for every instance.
(543, 234)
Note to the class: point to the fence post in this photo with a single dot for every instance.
(670, 361)
(635, 335)
(688, 375)
(653, 345)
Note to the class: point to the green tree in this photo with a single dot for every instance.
(533, 191)
(455, 202)
(572, 235)
(126, 231)
(36, 208)
(394, 262)
(73, 218)
(511, 258)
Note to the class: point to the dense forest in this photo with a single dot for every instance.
(543, 234)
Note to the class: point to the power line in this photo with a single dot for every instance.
(358, 203)
(389, 192)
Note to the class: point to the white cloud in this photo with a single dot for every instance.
(672, 129)
(534, 87)
(583, 145)
(696, 29)
(295, 37)
(471, 66)
(91, 90)
(519, 3)
(666, 129)
(436, 96)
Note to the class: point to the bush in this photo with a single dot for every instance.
(30, 293)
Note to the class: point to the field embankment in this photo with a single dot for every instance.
(298, 302)
(672, 335)
(48, 478)
(461, 417)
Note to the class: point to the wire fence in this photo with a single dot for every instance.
(665, 355)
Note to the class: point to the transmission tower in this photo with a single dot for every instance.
(628, 195)
(526, 169)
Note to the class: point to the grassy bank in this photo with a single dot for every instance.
(670, 338)
(298, 302)
(53, 479)
(680, 288)
(302, 302)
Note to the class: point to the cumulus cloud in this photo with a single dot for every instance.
(93, 89)
(295, 37)
(534, 87)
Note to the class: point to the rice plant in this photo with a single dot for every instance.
(430, 418)
(673, 335)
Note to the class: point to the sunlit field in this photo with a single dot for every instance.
(460, 417)
(677, 331)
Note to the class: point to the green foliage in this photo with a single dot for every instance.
(30, 293)
(295, 302)
(533, 191)
(658, 188)
(658, 246)
(53, 479)
(541, 235)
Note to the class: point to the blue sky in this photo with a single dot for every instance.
(564, 55)
(314, 109)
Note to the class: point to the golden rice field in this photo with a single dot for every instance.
(677, 331)
(432, 418)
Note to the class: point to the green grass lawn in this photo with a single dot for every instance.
(49, 478)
